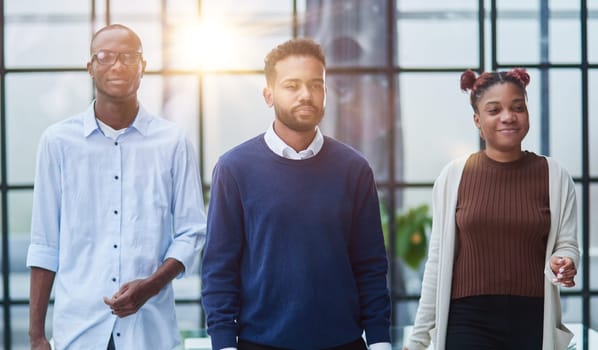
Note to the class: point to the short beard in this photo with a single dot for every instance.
(291, 123)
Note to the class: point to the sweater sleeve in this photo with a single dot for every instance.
(369, 262)
(220, 263)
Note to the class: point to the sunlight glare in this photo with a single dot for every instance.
(205, 45)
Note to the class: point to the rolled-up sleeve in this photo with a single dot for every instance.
(188, 209)
(45, 217)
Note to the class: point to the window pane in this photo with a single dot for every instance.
(228, 124)
(227, 43)
(141, 8)
(593, 237)
(188, 317)
(47, 43)
(436, 39)
(532, 141)
(571, 308)
(436, 5)
(593, 36)
(593, 120)
(436, 121)
(175, 98)
(231, 35)
(46, 33)
(518, 32)
(19, 211)
(347, 33)
(19, 319)
(245, 7)
(33, 102)
(357, 113)
(564, 34)
(565, 118)
(594, 324)
(182, 7)
(42, 8)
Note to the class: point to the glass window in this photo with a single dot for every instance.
(357, 113)
(452, 43)
(436, 5)
(140, 8)
(46, 43)
(594, 323)
(46, 34)
(593, 237)
(593, 34)
(436, 122)
(19, 319)
(533, 140)
(231, 35)
(175, 98)
(571, 313)
(188, 317)
(235, 111)
(33, 102)
(565, 118)
(346, 32)
(564, 33)
(518, 32)
(19, 211)
(593, 120)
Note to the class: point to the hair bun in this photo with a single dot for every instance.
(521, 75)
(468, 78)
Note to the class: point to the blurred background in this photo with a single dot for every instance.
(393, 93)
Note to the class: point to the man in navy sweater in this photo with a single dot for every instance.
(295, 256)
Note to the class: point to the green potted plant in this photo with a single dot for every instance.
(411, 240)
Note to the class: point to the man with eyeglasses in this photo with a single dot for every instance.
(117, 214)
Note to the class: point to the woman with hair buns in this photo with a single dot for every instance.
(504, 235)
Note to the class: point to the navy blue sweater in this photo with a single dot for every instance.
(294, 256)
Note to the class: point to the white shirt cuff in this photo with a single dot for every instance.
(380, 346)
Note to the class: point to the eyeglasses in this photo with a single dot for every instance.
(109, 57)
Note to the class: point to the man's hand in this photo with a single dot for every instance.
(564, 270)
(40, 344)
(130, 298)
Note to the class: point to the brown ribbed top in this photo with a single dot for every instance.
(503, 219)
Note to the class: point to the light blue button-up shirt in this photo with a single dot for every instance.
(109, 211)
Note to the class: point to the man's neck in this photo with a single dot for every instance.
(117, 115)
(297, 140)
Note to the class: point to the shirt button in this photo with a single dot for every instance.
(115, 246)
(118, 334)
(116, 143)
(115, 177)
(116, 212)
(113, 279)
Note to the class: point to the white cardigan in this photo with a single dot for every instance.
(432, 314)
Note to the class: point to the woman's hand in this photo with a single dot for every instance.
(564, 270)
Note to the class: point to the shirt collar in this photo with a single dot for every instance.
(141, 122)
(278, 146)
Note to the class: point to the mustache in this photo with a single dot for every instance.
(305, 104)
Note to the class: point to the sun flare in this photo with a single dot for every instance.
(205, 45)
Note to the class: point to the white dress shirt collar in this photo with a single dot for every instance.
(278, 146)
